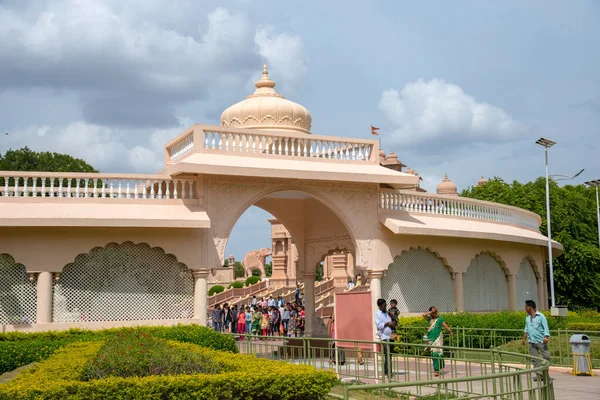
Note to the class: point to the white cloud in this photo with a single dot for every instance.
(284, 53)
(102, 147)
(129, 70)
(437, 112)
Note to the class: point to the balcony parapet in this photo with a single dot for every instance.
(21, 184)
(263, 143)
(460, 207)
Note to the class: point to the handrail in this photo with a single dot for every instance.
(428, 203)
(236, 141)
(503, 375)
(94, 185)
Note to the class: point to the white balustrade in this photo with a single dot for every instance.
(182, 147)
(456, 206)
(15, 184)
(283, 145)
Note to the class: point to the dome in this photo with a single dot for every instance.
(411, 171)
(481, 181)
(381, 153)
(447, 187)
(392, 157)
(266, 109)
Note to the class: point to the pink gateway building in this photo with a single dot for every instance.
(98, 250)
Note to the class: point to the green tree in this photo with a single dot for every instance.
(574, 225)
(319, 275)
(239, 269)
(268, 269)
(27, 160)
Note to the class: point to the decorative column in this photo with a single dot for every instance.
(511, 280)
(375, 286)
(540, 293)
(459, 291)
(338, 268)
(44, 298)
(201, 295)
(309, 299)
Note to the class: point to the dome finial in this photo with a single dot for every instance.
(265, 81)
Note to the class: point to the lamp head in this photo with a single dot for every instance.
(547, 143)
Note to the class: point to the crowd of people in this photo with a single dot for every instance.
(265, 317)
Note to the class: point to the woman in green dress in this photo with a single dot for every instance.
(256, 317)
(435, 338)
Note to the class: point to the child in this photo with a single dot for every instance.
(264, 323)
(393, 310)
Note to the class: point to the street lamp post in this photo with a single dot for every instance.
(547, 144)
(596, 183)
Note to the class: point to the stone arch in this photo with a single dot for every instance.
(222, 233)
(537, 270)
(123, 282)
(526, 283)
(17, 293)
(419, 278)
(485, 285)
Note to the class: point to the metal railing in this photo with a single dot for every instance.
(427, 203)
(509, 340)
(477, 373)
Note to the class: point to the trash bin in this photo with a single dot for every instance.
(582, 362)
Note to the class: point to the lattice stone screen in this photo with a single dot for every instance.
(123, 282)
(485, 285)
(17, 293)
(418, 279)
(526, 284)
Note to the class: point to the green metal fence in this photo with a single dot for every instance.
(508, 340)
(469, 373)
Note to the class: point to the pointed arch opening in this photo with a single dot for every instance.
(418, 279)
(485, 285)
(526, 283)
(17, 293)
(123, 282)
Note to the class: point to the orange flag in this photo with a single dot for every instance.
(374, 131)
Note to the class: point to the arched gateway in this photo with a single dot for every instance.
(342, 200)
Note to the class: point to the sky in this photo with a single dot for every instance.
(458, 88)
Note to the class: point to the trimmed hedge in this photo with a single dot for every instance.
(584, 326)
(248, 377)
(252, 280)
(236, 285)
(215, 289)
(18, 348)
(491, 329)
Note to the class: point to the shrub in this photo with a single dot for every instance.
(61, 377)
(133, 353)
(482, 330)
(18, 348)
(236, 285)
(252, 280)
(215, 289)
(584, 326)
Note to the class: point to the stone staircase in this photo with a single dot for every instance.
(324, 295)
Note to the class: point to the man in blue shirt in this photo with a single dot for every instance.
(536, 330)
(385, 326)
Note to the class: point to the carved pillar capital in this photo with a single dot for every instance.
(376, 274)
(200, 273)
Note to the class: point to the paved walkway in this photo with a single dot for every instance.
(567, 386)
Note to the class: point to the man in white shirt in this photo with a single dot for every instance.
(385, 327)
